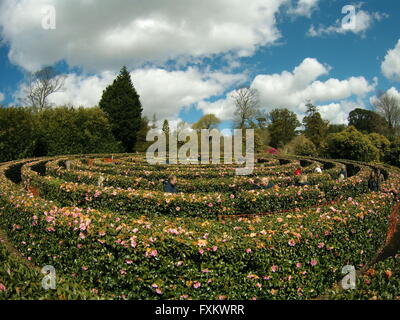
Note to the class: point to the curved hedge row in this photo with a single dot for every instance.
(196, 204)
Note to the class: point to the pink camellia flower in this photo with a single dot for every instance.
(2, 287)
(154, 286)
(122, 271)
(215, 248)
(210, 205)
(84, 268)
(232, 196)
(197, 285)
(201, 251)
(321, 245)
(319, 210)
(185, 296)
(179, 263)
(82, 236)
(128, 261)
(298, 265)
(258, 285)
(154, 253)
(267, 278)
(178, 209)
(274, 268)
(248, 250)
(292, 243)
(158, 291)
(314, 262)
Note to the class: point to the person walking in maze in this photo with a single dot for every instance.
(266, 183)
(343, 172)
(297, 172)
(373, 182)
(256, 184)
(170, 185)
(380, 178)
(303, 181)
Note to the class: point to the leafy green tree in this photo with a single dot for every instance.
(282, 127)
(368, 121)
(336, 128)
(16, 133)
(381, 143)
(121, 104)
(316, 129)
(353, 145)
(393, 155)
(66, 130)
(142, 145)
(301, 146)
(208, 122)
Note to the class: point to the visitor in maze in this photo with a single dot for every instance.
(267, 184)
(343, 172)
(373, 182)
(256, 184)
(170, 185)
(297, 172)
(303, 181)
(263, 183)
(318, 169)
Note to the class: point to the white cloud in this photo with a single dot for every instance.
(2, 97)
(391, 92)
(162, 92)
(394, 93)
(304, 8)
(338, 113)
(391, 64)
(104, 35)
(363, 21)
(292, 89)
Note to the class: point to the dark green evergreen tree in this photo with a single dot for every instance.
(121, 103)
(316, 128)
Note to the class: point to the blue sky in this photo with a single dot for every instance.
(187, 58)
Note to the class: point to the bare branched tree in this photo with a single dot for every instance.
(389, 107)
(41, 85)
(247, 104)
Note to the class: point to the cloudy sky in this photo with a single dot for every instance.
(187, 57)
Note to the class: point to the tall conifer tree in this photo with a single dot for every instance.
(121, 104)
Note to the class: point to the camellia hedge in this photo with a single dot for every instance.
(217, 239)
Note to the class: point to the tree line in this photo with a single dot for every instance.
(117, 125)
